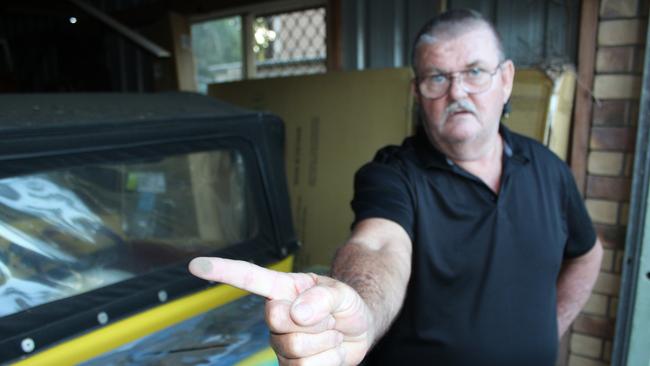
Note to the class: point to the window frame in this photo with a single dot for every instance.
(249, 13)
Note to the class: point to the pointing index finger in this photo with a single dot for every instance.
(246, 276)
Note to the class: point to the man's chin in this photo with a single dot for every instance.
(459, 134)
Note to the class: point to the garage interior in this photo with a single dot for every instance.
(338, 73)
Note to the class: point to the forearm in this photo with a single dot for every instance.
(379, 275)
(575, 282)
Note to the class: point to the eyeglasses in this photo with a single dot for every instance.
(475, 80)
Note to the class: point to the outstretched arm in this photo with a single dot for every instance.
(577, 278)
(320, 320)
(376, 262)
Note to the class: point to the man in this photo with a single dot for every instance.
(471, 244)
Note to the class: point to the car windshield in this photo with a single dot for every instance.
(68, 231)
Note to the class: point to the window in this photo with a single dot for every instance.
(73, 230)
(291, 42)
(217, 47)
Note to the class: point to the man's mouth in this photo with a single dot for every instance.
(460, 112)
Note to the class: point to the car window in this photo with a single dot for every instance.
(68, 231)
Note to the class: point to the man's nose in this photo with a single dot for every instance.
(456, 88)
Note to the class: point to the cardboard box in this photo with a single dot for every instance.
(542, 106)
(336, 122)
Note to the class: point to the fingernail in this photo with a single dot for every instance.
(200, 266)
(302, 311)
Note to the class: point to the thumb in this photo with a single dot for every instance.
(313, 305)
(332, 299)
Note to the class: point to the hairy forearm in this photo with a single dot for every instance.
(380, 276)
(575, 282)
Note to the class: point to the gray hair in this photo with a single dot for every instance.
(451, 24)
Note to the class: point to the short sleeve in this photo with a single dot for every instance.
(382, 191)
(580, 229)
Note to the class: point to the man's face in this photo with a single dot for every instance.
(458, 116)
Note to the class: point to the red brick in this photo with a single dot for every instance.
(612, 112)
(612, 236)
(617, 86)
(617, 59)
(618, 8)
(612, 188)
(610, 163)
(613, 138)
(619, 32)
(595, 326)
(608, 284)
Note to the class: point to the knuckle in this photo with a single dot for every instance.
(275, 317)
(295, 345)
(285, 345)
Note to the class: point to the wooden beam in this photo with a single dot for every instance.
(149, 13)
(248, 40)
(334, 40)
(584, 98)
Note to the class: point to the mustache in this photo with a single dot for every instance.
(459, 106)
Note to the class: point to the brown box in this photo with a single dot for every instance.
(542, 107)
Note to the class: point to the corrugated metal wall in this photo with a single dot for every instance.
(379, 33)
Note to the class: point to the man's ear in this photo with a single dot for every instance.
(507, 78)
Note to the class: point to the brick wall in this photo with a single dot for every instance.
(617, 85)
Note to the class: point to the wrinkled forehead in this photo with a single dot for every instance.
(464, 45)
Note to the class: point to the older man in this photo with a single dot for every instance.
(471, 244)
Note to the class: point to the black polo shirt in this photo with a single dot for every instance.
(484, 268)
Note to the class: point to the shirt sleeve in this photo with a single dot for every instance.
(581, 233)
(382, 191)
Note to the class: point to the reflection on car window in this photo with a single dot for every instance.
(73, 230)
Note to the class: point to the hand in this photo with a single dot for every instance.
(314, 320)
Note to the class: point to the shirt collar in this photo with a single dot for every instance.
(430, 156)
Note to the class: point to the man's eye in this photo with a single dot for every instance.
(438, 79)
(475, 72)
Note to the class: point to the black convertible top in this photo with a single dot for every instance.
(23, 111)
(41, 125)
